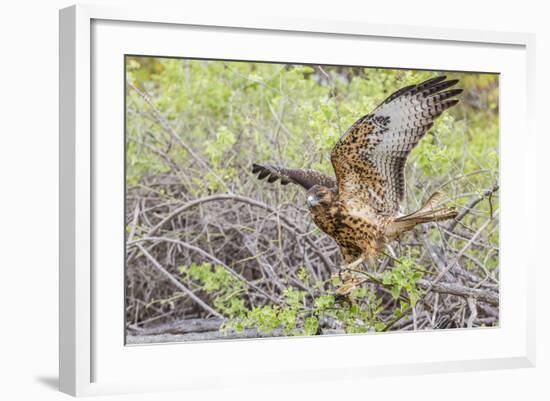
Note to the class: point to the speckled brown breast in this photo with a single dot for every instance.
(356, 235)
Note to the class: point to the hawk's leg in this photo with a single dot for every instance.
(350, 277)
(348, 270)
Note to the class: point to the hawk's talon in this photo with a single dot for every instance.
(347, 287)
(341, 275)
(349, 277)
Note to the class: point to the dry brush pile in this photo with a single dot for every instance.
(267, 247)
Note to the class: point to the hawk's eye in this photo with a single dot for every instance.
(313, 200)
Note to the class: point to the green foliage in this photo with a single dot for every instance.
(298, 313)
(219, 283)
(240, 112)
(404, 277)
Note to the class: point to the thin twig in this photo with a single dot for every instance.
(177, 283)
(206, 255)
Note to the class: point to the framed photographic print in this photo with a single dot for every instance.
(336, 199)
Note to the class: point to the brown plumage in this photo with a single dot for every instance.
(359, 208)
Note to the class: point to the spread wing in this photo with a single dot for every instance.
(369, 159)
(302, 177)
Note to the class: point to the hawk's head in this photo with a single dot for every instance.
(319, 197)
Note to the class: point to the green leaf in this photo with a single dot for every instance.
(311, 325)
(395, 291)
(324, 301)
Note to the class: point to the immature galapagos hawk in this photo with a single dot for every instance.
(359, 208)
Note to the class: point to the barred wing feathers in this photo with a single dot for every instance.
(370, 157)
(304, 177)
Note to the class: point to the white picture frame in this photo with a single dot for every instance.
(93, 357)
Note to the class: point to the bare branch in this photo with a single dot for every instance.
(470, 206)
(177, 283)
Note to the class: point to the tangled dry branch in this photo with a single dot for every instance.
(265, 246)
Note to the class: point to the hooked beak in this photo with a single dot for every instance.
(312, 201)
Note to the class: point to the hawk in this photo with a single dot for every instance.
(359, 207)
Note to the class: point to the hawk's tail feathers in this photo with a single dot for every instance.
(426, 214)
(420, 217)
